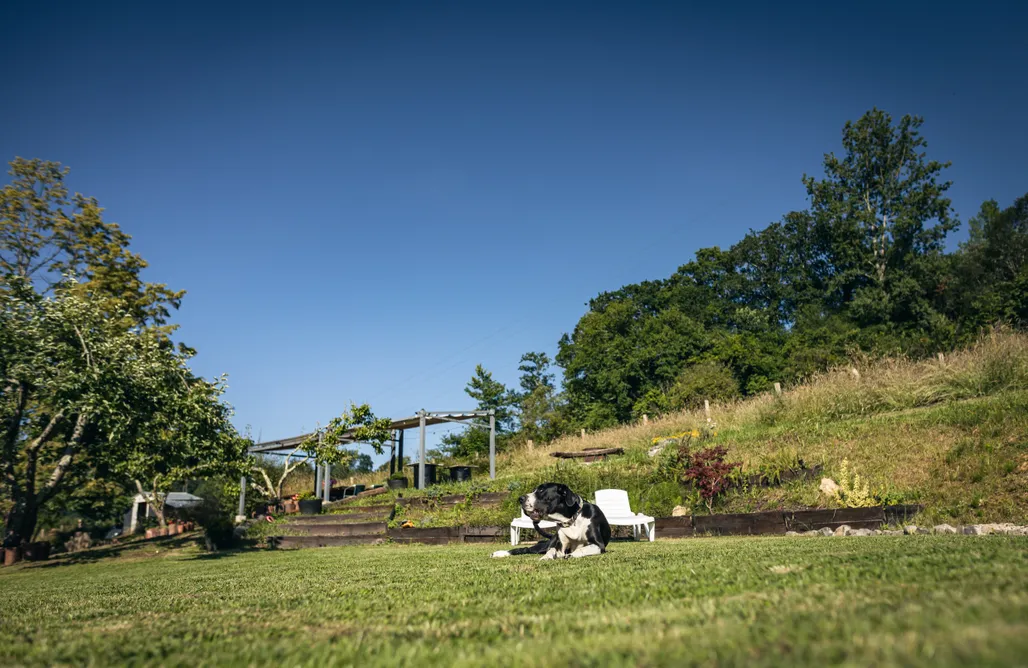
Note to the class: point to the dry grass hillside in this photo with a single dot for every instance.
(951, 434)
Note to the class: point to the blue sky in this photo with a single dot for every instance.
(364, 200)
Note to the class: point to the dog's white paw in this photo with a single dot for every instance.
(499, 554)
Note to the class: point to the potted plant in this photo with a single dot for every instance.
(12, 555)
(290, 505)
(310, 504)
(397, 481)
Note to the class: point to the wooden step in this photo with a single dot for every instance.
(339, 519)
(482, 500)
(362, 529)
(293, 542)
(379, 508)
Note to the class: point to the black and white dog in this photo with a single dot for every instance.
(583, 529)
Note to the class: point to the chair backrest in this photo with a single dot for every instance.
(613, 502)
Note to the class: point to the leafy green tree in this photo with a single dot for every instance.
(863, 269)
(490, 394)
(882, 217)
(535, 372)
(46, 234)
(74, 382)
(618, 354)
(85, 351)
(187, 434)
(990, 271)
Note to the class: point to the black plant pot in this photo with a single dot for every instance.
(460, 473)
(429, 474)
(397, 483)
(310, 506)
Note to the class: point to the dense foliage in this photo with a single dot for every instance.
(94, 395)
(863, 269)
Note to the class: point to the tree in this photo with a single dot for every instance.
(45, 234)
(881, 219)
(492, 395)
(489, 394)
(990, 271)
(356, 425)
(187, 435)
(85, 347)
(540, 404)
(73, 379)
(534, 370)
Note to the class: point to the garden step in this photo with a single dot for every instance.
(336, 509)
(285, 542)
(362, 529)
(339, 519)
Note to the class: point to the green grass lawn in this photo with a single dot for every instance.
(939, 600)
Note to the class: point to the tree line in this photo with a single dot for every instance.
(862, 270)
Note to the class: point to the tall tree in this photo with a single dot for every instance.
(85, 348)
(535, 372)
(74, 381)
(882, 217)
(46, 234)
(491, 394)
(990, 271)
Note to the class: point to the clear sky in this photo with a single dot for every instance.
(364, 200)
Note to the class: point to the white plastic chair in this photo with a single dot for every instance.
(525, 522)
(615, 506)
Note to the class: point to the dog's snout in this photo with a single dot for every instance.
(521, 499)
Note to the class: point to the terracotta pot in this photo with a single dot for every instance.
(151, 533)
(290, 506)
(12, 555)
(162, 532)
(190, 526)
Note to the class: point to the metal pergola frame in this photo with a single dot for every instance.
(421, 420)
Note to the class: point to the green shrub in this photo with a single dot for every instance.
(707, 380)
(660, 499)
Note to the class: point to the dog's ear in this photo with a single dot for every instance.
(569, 496)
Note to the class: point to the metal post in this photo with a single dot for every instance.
(317, 479)
(242, 496)
(326, 479)
(399, 455)
(392, 455)
(492, 445)
(421, 451)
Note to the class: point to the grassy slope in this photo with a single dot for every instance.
(939, 600)
(952, 435)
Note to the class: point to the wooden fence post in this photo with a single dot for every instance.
(646, 418)
(583, 432)
(778, 388)
(706, 408)
(942, 358)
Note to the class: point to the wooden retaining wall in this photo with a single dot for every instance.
(779, 522)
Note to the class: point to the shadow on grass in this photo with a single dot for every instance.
(136, 548)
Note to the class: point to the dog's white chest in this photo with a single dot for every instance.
(574, 536)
